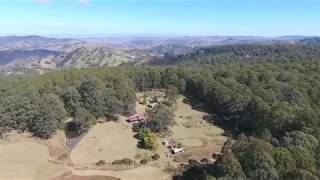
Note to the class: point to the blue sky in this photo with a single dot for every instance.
(160, 17)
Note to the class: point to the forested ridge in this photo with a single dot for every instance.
(271, 109)
(306, 49)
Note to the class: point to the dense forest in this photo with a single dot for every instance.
(306, 49)
(40, 103)
(270, 108)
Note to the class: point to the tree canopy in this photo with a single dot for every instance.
(271, 107)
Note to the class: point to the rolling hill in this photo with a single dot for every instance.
(13, 56)
(306, 49)
(41, 54)
(36, 53)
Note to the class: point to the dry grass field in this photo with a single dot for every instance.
(108, 141)
(199, 138)
(25, 159)
(140, 173)
(191, 129)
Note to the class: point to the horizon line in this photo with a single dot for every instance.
(145, 35)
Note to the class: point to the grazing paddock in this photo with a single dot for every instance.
(194, 136)
(108, 141)
(24, 157)
(26, 160)
(200, 138)
(69, 176)
(140, 173)
(191, 130)
(198, 153)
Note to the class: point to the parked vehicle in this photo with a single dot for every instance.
(153, 105)
(177, 150)
(173, 147)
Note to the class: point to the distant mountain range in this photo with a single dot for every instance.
(41, 54)
(24, 53)
(36, 42)
(149, 42)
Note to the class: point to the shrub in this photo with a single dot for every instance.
(117, 162)
(193, 162)
(136, 127)
(124, 161)
(100, 163)
(127, 161)
(143, 161)
(156, 156)
(205, 161)
(142, 133)
(148, 140)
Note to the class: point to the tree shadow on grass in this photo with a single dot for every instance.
(211, 117)
(70, 130)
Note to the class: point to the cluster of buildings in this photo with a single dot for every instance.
(152, 103)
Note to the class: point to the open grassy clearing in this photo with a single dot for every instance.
(113, 141)
(191, 129)
(68, 175)
(199, 138)
(108, 141)
(24, 158)
(140, 173)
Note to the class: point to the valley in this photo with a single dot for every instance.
(35, 158)
(91, 111)
(159, 90)
(21, 54)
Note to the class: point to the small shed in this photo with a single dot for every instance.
(135, 118)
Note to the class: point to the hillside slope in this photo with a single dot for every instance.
(12, 56)
(94, 56)
(35, 53)
(36, 42)
(247, 53)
